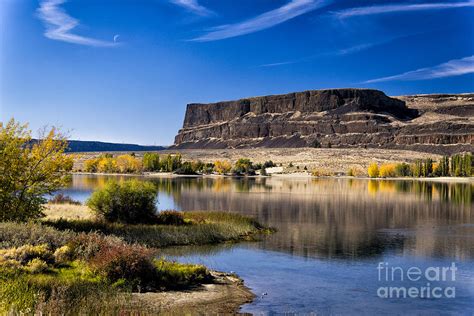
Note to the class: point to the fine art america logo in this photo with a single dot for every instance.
(415, 282)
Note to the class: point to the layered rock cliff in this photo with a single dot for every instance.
(333, 118)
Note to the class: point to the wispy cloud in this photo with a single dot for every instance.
(452, 68)
(341, 52)
(264, 21)
(280, 63)
(59, 25)
(390, 8)
(357, 48)
(194, 6)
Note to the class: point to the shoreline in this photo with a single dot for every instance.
(294, 175)
(225, 295)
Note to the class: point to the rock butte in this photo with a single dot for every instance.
(339, 118)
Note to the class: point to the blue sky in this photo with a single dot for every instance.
(124, 70)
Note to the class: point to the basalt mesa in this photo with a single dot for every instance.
(337, 118)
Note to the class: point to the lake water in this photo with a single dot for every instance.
(336, 240)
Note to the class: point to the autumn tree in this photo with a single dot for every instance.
(128, 164)
(29, 170)
(373, 170)
(222, 166)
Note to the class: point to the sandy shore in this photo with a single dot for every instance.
(224, 296)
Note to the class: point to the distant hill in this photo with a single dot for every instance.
(91, 146)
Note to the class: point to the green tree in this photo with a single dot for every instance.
(29, 170)
(417, 168)
(443, 167)
(244, 166)
(456, 165)
(151, 162)
(427, 167)
(186, 168)
(402, 170)
(467, 165)
(173, 162)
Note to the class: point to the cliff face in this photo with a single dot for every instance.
(332, 118)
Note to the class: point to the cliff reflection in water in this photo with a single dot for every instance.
(338, 218)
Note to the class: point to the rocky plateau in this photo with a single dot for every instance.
(336, 118)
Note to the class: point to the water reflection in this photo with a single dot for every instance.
(332, 234)
(332, 218)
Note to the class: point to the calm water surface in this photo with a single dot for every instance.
(332, 235)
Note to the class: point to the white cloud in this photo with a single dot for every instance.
(279, 64)
(340, 52)
(356, 48)
(264, 21)
(193, 6)
(389, 8)
(59, 25)
(455, 67)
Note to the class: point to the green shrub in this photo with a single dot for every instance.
(130, 202)
(173, 275)
(170, 218)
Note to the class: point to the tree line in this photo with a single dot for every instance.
(154, 162)
(458, 165)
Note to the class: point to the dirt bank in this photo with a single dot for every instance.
(224, 296)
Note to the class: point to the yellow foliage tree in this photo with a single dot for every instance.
(387, 171)
(29, 170)
(107, 165)
(128, 164)
(91, 165)
(222, 166)
(373, 170)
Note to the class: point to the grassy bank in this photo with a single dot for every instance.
(199, 228)
(76, 266)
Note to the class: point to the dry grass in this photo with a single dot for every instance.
(67, 211)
